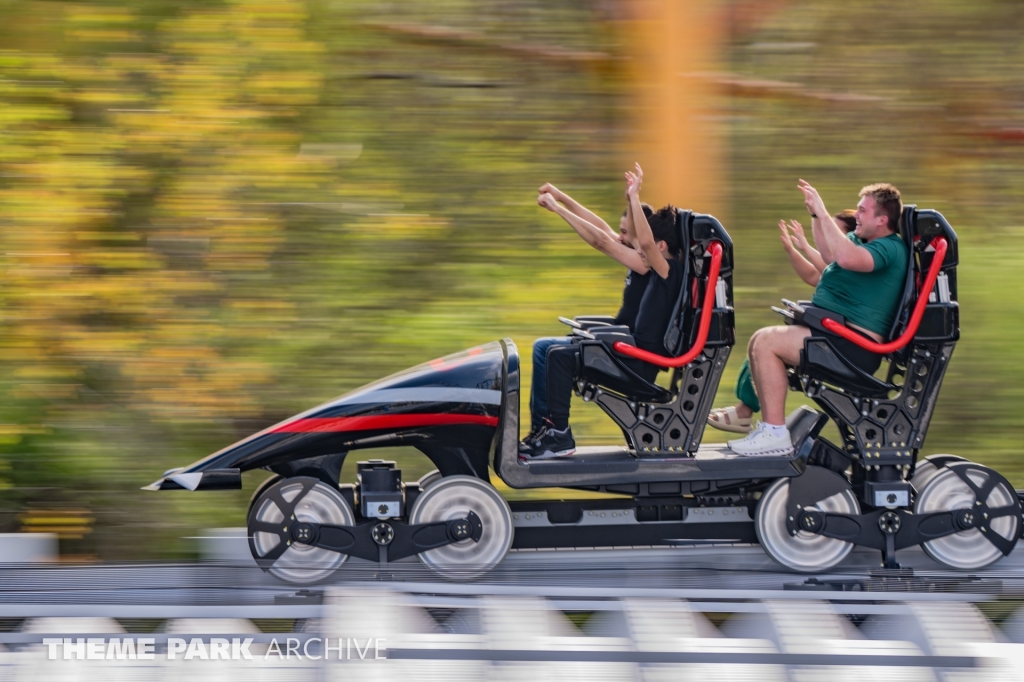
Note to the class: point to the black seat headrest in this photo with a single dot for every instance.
(917, 228)
(674, 335)
(697, 231)
(907, 230)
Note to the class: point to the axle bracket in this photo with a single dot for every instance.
(387, 541)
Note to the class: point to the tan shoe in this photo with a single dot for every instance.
(726, 419)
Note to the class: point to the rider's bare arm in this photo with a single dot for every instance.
(644, 235)
(576, 208)
(833, 243)
(798, 239)
(803, 267)
(595, 236)
(820, 242)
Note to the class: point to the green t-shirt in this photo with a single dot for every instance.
(867, 299)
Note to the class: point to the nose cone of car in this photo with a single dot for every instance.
(457, 394)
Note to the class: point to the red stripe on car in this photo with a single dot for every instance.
(383, 421)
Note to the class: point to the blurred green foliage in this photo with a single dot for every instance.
(216, 214)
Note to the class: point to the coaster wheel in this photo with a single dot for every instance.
(804, 552)
(966, 485)
(453, 497)
(927, 467)
(429, 479)
(277, 505)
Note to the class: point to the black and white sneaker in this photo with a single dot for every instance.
(548, 444)
(527, 442)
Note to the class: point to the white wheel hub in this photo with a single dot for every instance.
(296, 500)
(945, 490)
(805, 552)
(453, 497)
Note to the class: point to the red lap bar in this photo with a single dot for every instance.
(715, 249)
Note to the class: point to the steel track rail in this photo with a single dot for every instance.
(703, 572)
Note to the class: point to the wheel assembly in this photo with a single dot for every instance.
(928, 467)
(801, 550)
(454, 497)
(992, 508)
(278, 512)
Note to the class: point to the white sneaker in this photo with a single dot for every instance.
(762, 442)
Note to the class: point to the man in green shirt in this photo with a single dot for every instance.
(863, 281)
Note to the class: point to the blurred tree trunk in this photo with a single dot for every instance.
(673, 131)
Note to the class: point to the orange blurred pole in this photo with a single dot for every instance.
(675, 130)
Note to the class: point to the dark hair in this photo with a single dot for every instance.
(846, 220)
(646, 208)
(887, 201)
(663, 227)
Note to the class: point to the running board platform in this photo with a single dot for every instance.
(627, 522)
(713, 467)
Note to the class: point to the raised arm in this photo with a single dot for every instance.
(820, 241)
(576, 208)
(630, 227)
(595, 236)
(799, 240)
(808, 273)
(644, 235)
(832, 241)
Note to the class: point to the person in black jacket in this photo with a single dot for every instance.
(598, 234)
(656, 246)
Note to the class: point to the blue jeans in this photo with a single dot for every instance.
(539, 388)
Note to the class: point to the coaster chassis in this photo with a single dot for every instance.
(462, 412)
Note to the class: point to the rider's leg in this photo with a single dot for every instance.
(539, 386)
(749, 404)
(772, 350)
(737, 418)
(561, 368)
(554, 439)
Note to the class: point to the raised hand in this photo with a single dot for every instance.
(785, 236)
(815, 206)
(797, 234)
(545, 200)
(548, 188)
(631, 184)
(633, 181)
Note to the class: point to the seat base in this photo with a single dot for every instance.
(820, 361)
(656, 428)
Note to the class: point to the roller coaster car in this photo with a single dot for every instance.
(462, 412)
